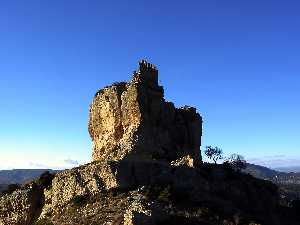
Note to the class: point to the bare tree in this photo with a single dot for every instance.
(237, 162)
(213, 153)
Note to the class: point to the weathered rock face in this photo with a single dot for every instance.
(21, 207)
(133, 120)
(133, 192)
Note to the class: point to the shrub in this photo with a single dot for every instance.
(237, 162)
(214, 153)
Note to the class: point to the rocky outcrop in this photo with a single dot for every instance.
(133, 120)
(153, 192)
(22, 206)
(143, 172)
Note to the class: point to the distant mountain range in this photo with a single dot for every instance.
(20, 176)
(295, 169)
(288, 183)
(273, 175)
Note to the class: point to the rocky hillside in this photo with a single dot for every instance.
(288, 183)
(145, 171)
(273, 175)
(146, 192)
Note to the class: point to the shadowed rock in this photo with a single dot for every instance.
(133, 120)
(22, 206)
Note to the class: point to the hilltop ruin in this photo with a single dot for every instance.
(133, 121)
(146, 170)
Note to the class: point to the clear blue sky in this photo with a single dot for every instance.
(236, 61)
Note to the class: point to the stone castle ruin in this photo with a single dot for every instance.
(133, 121)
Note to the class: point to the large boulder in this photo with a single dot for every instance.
(133, 120)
